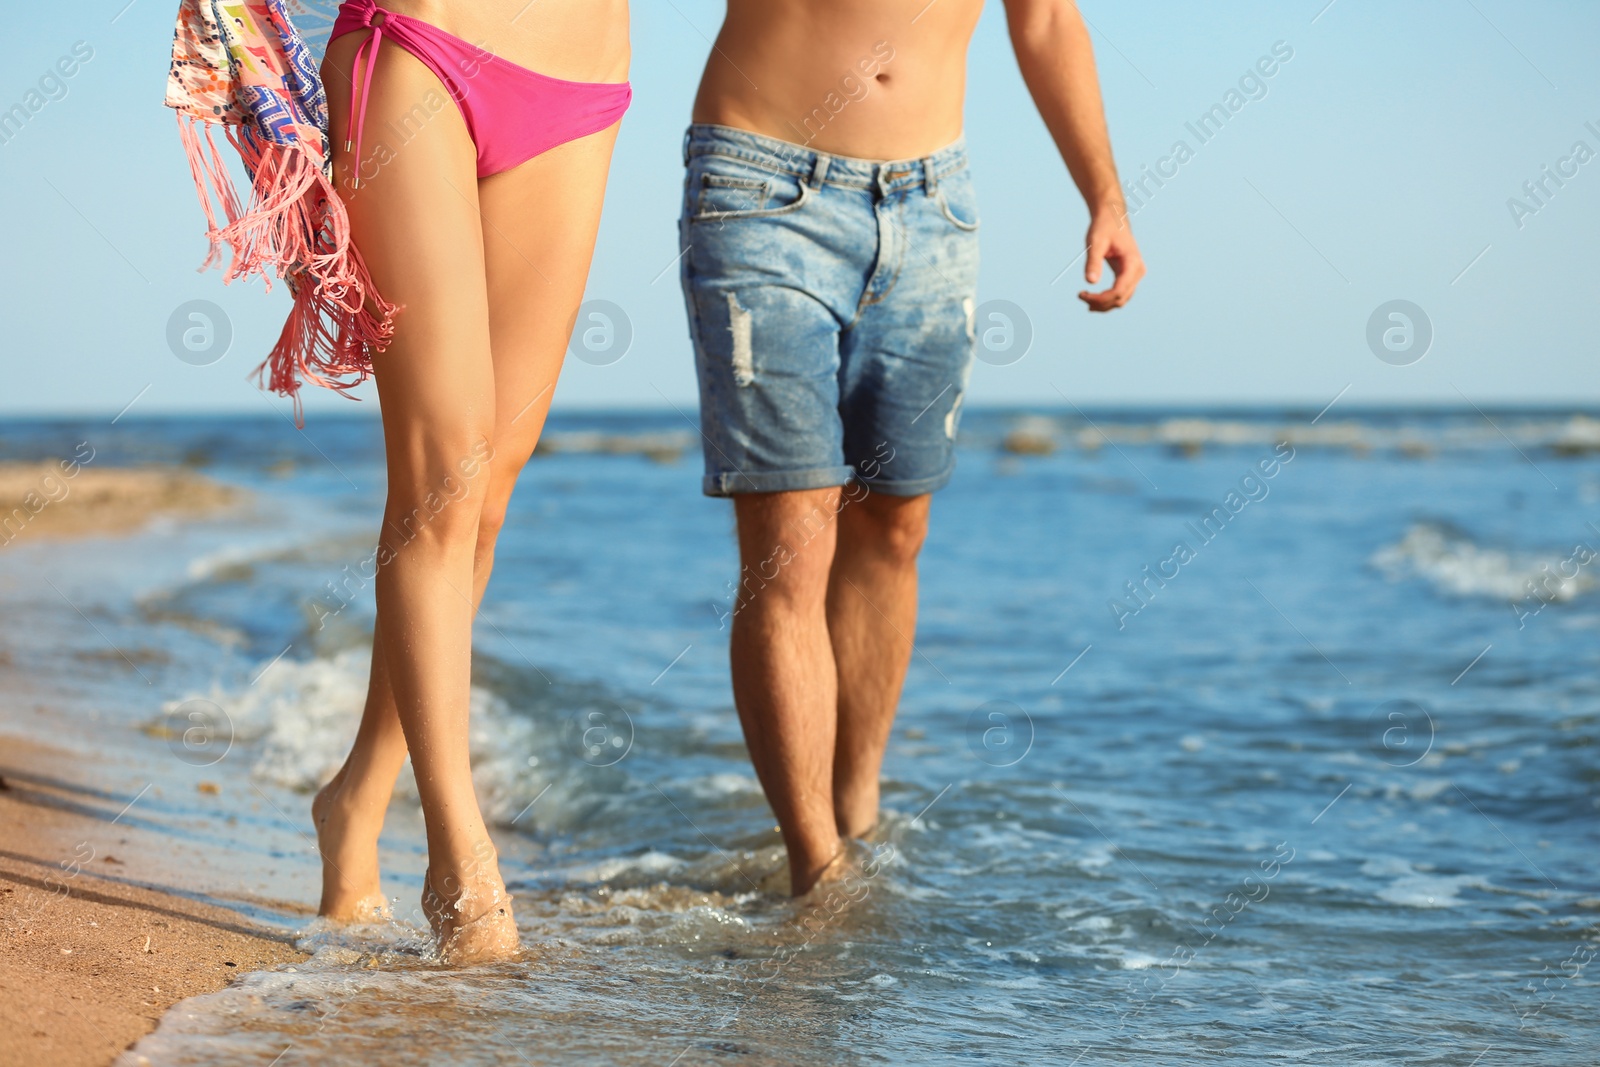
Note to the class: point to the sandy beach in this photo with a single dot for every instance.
(97, 939)
(69, 497)
(90, 957)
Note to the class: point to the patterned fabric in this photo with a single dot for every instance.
(314, 19)
(241, 65)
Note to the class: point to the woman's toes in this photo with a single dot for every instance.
(491, 936)
(473, 924)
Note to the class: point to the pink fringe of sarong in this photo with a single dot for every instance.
(295, 227)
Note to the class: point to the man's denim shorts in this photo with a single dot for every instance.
(831, 303)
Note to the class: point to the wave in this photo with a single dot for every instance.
(666, 446)
(1420, 887)
(238, 561)
(1455, 564)
(1407, 435)
(300, 716)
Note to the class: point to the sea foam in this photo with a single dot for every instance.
(1453, 563)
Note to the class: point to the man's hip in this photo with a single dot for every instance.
(831, 303)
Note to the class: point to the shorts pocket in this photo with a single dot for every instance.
(724, 190)
(958, 200)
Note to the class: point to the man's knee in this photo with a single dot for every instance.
(892, 528)
(786, 544)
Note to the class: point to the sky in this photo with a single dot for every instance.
(1377, 164)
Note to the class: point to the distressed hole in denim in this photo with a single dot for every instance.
(744, 360)
(954, 416)
(970, 306)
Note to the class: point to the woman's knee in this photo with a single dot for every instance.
(491, 520)
(497, 498)
(438, 493)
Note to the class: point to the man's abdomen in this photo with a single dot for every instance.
(881, 80)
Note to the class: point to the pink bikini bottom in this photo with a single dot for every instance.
(512, 113)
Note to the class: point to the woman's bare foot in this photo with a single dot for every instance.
(347, 838)
(471, 915)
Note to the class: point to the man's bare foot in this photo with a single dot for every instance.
(846, 865)
(473, 922)
(855, 809)
(872, 834)
(804, 879)
(348, 842)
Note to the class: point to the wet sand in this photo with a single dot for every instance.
(91, 956)
(70, 497)
(98, 937)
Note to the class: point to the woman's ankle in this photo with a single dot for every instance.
(466, 865)
(350, 796)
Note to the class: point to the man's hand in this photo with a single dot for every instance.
(1110, 240)
(1057, 61)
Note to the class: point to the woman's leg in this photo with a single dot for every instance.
(415, 218)
(349, 810)
(535, 281)
(539, 226)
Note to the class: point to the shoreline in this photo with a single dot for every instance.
(56, 499)
(103, 927)
(92, 956)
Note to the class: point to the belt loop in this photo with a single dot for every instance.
(819, 171)
(688, 133)
(930, 176)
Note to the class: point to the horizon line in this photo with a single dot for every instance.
(371, 410)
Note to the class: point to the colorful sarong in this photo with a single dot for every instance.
(242, 65)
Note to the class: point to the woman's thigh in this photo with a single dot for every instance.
(540, 220)
(414, 217)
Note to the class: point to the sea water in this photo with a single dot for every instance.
(1260, 735)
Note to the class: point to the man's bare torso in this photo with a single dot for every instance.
(874, 79)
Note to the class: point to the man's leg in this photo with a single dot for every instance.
(872, 620)
(784, 677)
(904, 361)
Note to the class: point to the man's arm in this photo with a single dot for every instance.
(1057, 61)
